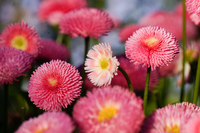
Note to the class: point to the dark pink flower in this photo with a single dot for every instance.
(86, 22)
(151, 46)
(54, 85)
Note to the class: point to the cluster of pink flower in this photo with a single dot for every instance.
(109, 106)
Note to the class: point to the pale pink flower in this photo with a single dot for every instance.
(86, 22)
(151, 46)
(54, 85)
(193, 125)
(100, 64)
(48, 122)
(109, 110)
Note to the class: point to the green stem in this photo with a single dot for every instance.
(196, 85)
(146, 88)
(23, 114)
(87, 40)
(59, 38)
(127, 78)
(184, 43)
(5, 113)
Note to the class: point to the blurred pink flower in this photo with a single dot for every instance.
(171, 21)
(127, 31)
(86, 22)
(136, 73)
(170, 119)
(48, 122)
(54, 85)
(151, 46)
(52, 11)
(100, 64)
(21, 36)
(50, 49)
(109, 109)
(13, 63)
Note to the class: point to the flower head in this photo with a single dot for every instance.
(109, 109)
(136, 73)
(21, 36)
(193, 6)
(170, 119)
(151, 46)
(193, 125)
(50, 49)
(52, 11)
(100, 64)
(48, 122)
(13, 63)
(54, 85)
(86, 22)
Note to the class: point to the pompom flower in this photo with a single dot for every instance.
(193, 125)
(171, 21)
(13, 63)
(127, 31)
(151, 46)
(109, 110)
(193, 6)
(54, 85)
(100, 64)
(48, 122)
(170, 119)
(136, 73)
(52, 11)
(50, 49)
(21, 36)
(86, 22)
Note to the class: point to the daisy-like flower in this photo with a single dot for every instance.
(127, 31)
(48, 122)
(193, 125)
(21, 36)
(171, 21)
(50, 49)
(54, 85)
(170, 119)
(151, 46)
(136, 73)
(193, 6)
(13, 63)
(52, 11)
(86, 22)
(100, 64)
(109, 110)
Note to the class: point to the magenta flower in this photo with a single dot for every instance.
(21, 36)
(151, 46)
(170, 119)
(48, 122)
(86, 22)
(13, 63)
(54, 85)
(109, 109)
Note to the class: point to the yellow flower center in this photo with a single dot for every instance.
(40, 130)
(107, 113)
(174, 129)
(104, 63)
(151, 42)
(190, 55)
(19, 42)
(52, 81)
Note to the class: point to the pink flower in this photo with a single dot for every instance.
(86, 22)
(13, 63)
(151, 46)
(48, 122)
(136, 73)
(170, 119)
(193, 125)
(127, 31)
(193, 6)
(54, 85)
(50, 49)
(100, 64)
(171, 21)
(109, 110)
(52, 11)
(21, 36)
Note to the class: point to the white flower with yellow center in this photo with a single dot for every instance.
(100, 64)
